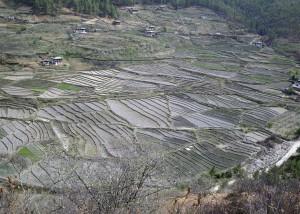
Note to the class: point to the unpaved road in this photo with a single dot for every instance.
(291, 151)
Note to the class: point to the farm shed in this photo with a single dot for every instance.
(116, 22)
(258, 44)
(80, 30)
(150, 33)
(218, 36)
(296, 86)
(151, 28)
(132, 10)
(161, 7)
(57, 60)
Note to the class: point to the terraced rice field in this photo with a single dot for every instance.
(19, 134)
(196, 100)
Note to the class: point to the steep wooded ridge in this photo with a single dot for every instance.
(274, 17)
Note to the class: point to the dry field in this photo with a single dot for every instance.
(196, 100)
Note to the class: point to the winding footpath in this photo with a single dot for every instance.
(291, 152)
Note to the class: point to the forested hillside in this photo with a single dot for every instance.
(98, 7)
(272, 17)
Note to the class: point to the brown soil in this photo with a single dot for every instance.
(189, 202)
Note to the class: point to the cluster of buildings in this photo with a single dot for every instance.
(52, 61)
(150, 31)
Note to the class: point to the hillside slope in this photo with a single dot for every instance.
(275, 17)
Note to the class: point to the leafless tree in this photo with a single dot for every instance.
(118, 190)
(14, 198)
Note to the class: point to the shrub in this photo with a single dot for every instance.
(297, 132)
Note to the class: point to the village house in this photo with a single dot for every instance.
(150, 33)
(296, 87)
(80, 30)
(57, 60)
(132, 10)
(218, 36)
(116, 22)
(258, 44)
(151, 28)
(161, 7)
(52, 61)
(203, 17)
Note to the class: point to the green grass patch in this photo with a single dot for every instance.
(25, 152)
(39, 90)
(292, 134)
(291, 168)
(281, 60)
(15, 28)
(209, 66)
(192, 48)
(269, 124)
(294, 74)
(2, 133)
(287, 46)
(74, 54)
(234, 68)
(68, 87)
(262, 79)
(288, 49)
(34, 84)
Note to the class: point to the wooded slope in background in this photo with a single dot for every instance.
(266, 17)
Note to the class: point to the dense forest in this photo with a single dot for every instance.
(271, 17)
(98, 7)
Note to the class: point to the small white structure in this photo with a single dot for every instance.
(161, 7)
(116, 22)
(258, 44)
(132, 10)
(203, 17)
(218, 36)
(52, 61)
(150, 33)
(56, 60)
(80, 30)
(151, 28)
(296, 86)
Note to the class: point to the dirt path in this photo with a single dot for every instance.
(91, 21)
(284, 158)
(291, 151)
